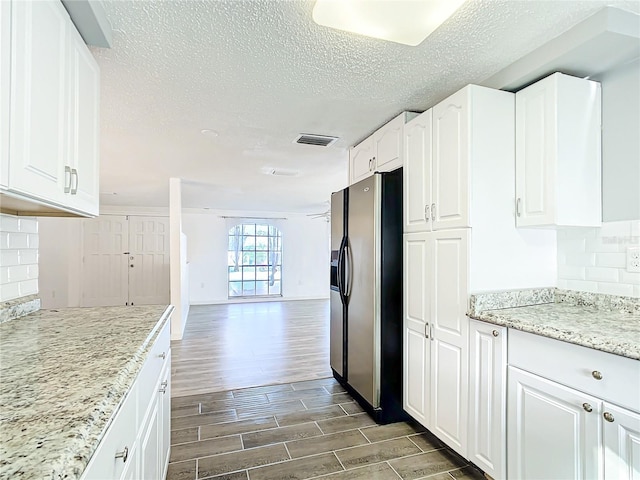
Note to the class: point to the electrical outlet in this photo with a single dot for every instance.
(633, 259)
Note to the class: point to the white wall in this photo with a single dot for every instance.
(621, 142)
(19, 241)
(305, 255)
(594, 259)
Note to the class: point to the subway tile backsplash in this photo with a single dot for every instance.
(18, 257)
(594, 259)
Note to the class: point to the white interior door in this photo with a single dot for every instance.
(148, 260)
(104, 266)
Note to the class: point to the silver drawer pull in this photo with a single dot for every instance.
(163, 355)
(123, 454)
(608, 417)
(495, 333)
(163, 387)
(596, 374)
(587, 407)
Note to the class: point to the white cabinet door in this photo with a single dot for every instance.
(417, 361)
(5, 64)
(84, 116)
(621, 443)
(361, 161)
(488, 397)
(558, 153)
(449, 337)
(553, 431)
(535, 155)
(450, 194)
(38, 100)
(164, 406)
(150, 444)
(387, 145)
(417, 173)
(131, 468)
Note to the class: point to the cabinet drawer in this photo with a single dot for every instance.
(121, 435)
(150, 373)
(577, 367)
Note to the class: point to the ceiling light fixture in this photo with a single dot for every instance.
(402, 21)
(207, 132)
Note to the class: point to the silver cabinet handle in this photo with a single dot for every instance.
(163, 355)
(433, 211)
(608, 417)
(74, 174)
(518, 203)
(587, 407)
(495, 333)
(426, 212)
(426, 333)
(370, 162)
(596, 374)
(67, 185)
(123, 454)
(431, 331)
(163, 387)
(373, 163)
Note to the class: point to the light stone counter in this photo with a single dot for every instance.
(63, 376)
(603, 322)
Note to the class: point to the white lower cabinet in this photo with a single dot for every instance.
(487, 397)
(571, 411)
(621, 442)
(554, 431)
(136, 445)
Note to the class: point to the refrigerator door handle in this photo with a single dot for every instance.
(349, 269)
(340, 257)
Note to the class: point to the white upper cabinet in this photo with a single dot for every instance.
(380, 152)
(52, 120)
(417, 174)
(84, 126)
(361, 161)
(5, 62)
(38, 143)
(558, 153)
(387, 142)
(450, 167)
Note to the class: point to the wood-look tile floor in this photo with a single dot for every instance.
(303, 430)
(234, 346)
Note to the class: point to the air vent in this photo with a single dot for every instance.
(318, 140)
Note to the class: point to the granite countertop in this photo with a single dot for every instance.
(603, 322)
(63, 376)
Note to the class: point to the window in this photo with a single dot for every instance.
(255, 260)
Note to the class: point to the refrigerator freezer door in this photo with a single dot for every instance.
(363, 344)
(336, 336)
(336, 297)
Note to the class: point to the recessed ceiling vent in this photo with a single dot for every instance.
(317, 140)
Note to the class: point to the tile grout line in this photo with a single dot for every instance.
(394, 470)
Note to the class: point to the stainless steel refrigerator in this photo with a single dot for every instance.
(366, 293)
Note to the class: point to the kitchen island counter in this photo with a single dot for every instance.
(603, 322)
(63, 376)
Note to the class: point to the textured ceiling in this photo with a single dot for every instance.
(259, 72)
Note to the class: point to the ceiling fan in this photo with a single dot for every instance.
(326, 214)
